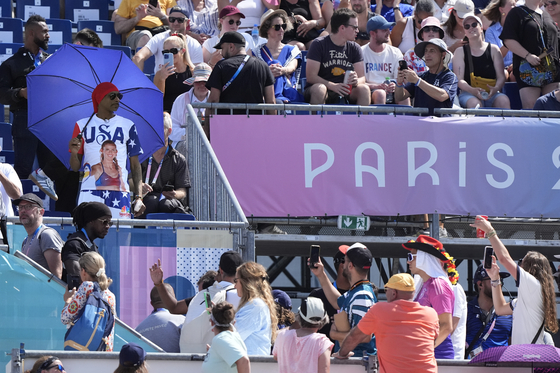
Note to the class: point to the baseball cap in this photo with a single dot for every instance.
(229, 261)
(427, 244)
(463, 7)
(230, 10)
(230, 37)
(401, 281)
(282, 299)
(30, 197)
(431, 21)
(131, 355)
(358, 254)
(201, 73)
(378, 23)
(420, 47)
(480, 274)
(471, 15)
(178, 9)
(312, 308)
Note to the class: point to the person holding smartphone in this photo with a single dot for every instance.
(165, 177)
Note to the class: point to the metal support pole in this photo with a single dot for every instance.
(434, 227)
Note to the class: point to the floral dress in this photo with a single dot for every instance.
(70, 311)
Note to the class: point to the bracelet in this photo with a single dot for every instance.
(495, 283)
(490, 234)
(418, 82)
(527, 55)
(396, 8)
(137, 197)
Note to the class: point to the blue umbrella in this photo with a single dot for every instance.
(59, 94)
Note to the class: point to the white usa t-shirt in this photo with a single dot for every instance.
(381, 65)
(119, 130)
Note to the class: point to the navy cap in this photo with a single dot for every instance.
(481, 274)
(282, 299)
(178, 9)
(378, 23)
(131, 355)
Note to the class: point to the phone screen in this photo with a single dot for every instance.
(403, 65)
(314, 255)
(488, 252)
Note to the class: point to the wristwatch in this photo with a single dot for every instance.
(396, 8)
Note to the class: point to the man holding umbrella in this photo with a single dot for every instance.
(103, 142)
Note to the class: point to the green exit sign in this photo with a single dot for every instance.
(353, 222)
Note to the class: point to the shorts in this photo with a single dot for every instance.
(332, 97)
(134, 38)
(465, 96)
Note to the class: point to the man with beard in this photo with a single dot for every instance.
(92, 221)
(42, 244)
(364, 14)
(13, 92)
(485, 328)
(353, 304)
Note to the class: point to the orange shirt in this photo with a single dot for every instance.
(404, 332)
(127, 9)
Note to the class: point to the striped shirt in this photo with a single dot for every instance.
(205, 21)
(356, 302)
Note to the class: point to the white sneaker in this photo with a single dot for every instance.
(44, 183)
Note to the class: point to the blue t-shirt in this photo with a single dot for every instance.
(492, 36)
(389, 13)
(227, 347)
(445, 80)
(356, 302)
(547, 102)
(253, 324)
(501, 327)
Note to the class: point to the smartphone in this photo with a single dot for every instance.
(465, 39)
(168, 188)
(73, 282)
(208, 300)
(314, 253)
(153, 3)
(168, 58)
(403, 65)
(488, 252)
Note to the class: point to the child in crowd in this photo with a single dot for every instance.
(284, 308)
(228, 352)
(132, 359)
(305, 350)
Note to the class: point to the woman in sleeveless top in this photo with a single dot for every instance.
(405, 33)
(487, 62)
(107, 173)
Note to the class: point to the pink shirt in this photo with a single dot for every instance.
(299, 354)
(438, 294)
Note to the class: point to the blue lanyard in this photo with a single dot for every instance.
(84, 230)
(150, 169)
(32, 238)
(236, 73)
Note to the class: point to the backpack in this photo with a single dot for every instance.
(93, 325)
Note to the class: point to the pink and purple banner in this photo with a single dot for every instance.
(386, 165)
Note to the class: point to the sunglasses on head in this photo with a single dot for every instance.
(411, 257)
(231, 22)
(277, 27)
(48, 364)
(431, 29)
(177, 19)
(106, 222)
(114, 95)
(468, 26)
(551, 3)
(172, 50)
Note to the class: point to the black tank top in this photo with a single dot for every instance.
(483, 65)
(301, 8)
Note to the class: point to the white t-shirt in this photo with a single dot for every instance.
(155, 45)
(178, 113)
(209, 43)
(11, 175)
(528, 309)
(459, 310)
(123, 133)
(443, 13)
(381, 65)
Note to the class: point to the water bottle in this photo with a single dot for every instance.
(255, 34)
(390, 96)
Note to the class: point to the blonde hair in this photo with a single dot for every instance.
(92, 263)
(182, 41)
(254, 284)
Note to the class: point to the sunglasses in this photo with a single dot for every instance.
(431, 29)
(338, 261)
(277, 27)
(468, 26)
(106, 222)
(551, 3)
(235, 280)
(411, 257)
(231, 22)
(177, 19)
(354, 27)
(114, 95)
(48, 364)
(58, 366)
(172, 50)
